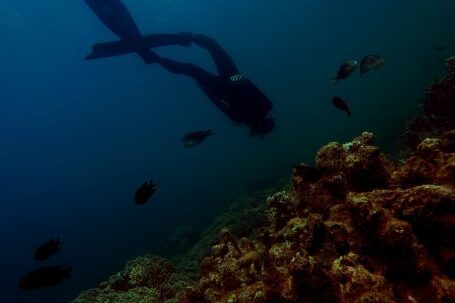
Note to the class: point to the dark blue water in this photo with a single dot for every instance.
(78, 137)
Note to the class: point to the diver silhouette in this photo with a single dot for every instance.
(235, 95)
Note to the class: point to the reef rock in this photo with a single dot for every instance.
(147, 279)
(355, 228)
(438, 110)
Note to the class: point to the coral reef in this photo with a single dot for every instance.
(147, 279)
(438, 110)
(355, 228)
(243, 218)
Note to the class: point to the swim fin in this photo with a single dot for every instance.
(118, 48)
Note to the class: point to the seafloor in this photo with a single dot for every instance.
(357, 227)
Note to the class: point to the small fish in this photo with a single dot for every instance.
(346, 69)
(47, 249)
(369, 63)
(439, 48)
(144, 192)
(44, 277)
(191, 139)
(341, 105)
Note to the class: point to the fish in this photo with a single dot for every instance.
(341, 105)
(144, 192)
(369, 63)
(439, 48)
(44, 277)
(191, 139)
(346, 69)
(47, 249)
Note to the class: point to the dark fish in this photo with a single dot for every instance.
(341, 105)
(47, 249)
(346, 69)
(144, 192)
(439, 48)
(192, 139)
(369, 63)
(44, 277)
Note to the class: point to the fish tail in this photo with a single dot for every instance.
(348, 111)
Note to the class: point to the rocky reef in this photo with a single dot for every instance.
(147, 279)
(438, 110)
(355, 228)
(244, 217)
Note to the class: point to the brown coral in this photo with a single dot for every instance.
(355, 229)
(147, 279)
(438, 110)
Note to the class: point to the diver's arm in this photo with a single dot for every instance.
(198, 74)
(211, 91)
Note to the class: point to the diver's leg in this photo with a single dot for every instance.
(157, 40)
(224, 63)
(206, 81)
(118, 48)
(198, 74)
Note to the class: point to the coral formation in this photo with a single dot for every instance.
(355, 228)
(243, 218)
(147, 279)
(438, 111)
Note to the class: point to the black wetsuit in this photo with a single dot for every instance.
(232, 93)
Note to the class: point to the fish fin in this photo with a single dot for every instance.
(335, 80)
(348, 111)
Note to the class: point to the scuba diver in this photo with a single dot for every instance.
(235, 95)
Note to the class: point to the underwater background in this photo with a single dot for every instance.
(78, 137)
